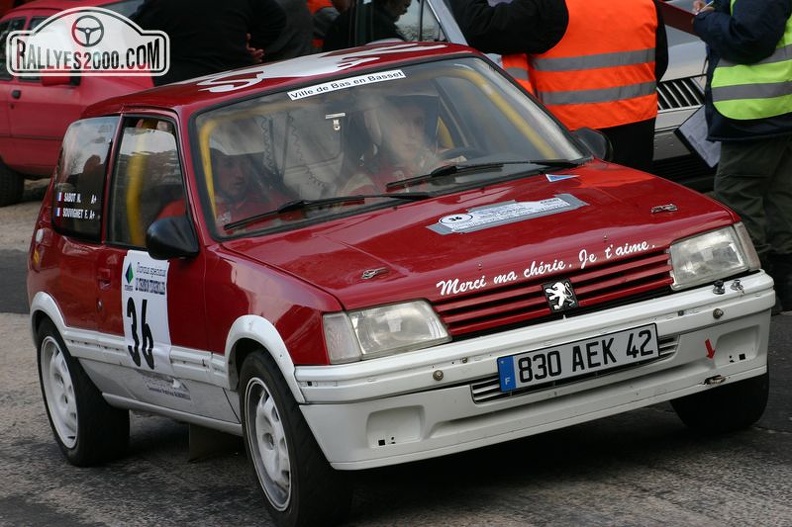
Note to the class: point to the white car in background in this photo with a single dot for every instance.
(680, 92)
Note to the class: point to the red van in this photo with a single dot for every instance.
(35, 111)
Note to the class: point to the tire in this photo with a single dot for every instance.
(299, 485)
(726, 408)
(87, 429)
(12, 186)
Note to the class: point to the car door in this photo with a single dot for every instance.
(150, 307)
(69, 261)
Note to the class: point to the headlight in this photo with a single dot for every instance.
(711, 256)
(381, 331)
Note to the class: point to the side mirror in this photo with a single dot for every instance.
(172, 237)
(595, 142)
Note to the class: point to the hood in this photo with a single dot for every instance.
(539, 227)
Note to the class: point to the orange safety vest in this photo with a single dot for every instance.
(602, 72)
(517, 66)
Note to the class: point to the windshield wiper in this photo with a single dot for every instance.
(305, 204)
(455, 170)
(445, 170)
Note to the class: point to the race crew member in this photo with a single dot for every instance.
(747, 103)
(603, 74)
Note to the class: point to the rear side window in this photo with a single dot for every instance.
(80, 178)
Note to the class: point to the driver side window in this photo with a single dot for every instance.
(148, 183)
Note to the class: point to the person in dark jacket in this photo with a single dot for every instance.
(377, 22)
(207, 36)
(296, 39)
(519, 26)
(747, 105)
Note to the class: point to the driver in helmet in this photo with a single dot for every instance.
(403, 131)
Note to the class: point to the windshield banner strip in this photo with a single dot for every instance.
(318, 89)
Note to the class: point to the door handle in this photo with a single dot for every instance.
(104, 278)
(16, 94)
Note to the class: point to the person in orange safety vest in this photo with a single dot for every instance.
(603, 74)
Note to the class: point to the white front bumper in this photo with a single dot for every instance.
(419, 405)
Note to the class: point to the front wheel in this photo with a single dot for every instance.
(726, 408)
(88, 430)
(300, 486)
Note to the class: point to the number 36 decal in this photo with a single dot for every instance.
(141, 334)
(145, 311)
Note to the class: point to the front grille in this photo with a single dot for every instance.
(680, 93)
(488, 389)
(515, 304)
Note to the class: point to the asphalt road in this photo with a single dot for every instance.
(642, 468)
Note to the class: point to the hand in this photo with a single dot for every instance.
(256, 53)
(699, 6)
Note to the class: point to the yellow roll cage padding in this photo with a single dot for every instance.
(135, 169)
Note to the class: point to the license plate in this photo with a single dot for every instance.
(571, 359)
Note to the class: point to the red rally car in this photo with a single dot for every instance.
(374, 256)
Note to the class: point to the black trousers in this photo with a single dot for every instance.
(633, 144)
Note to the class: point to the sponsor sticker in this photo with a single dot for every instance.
(87, 41)
(504, 213)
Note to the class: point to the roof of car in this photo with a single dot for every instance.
(277, 76)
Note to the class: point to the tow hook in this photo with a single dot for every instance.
(714, 381)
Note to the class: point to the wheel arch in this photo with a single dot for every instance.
(251, 333)
(43, 307)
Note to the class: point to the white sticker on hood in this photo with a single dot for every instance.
(504, 213)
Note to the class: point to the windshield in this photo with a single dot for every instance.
(431, 128)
